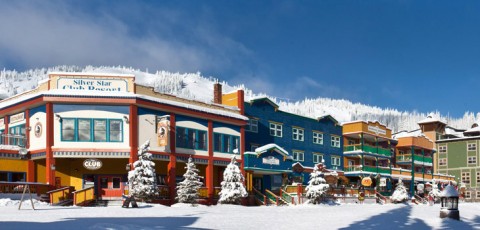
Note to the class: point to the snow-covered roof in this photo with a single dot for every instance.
(473, 130)
(449, 191)
(431, 119)
(365, 121)
(264, 98)
(404, 133)
(273, 147)
(91, 74)
(82, 93)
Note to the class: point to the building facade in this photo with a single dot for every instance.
(282, 148)
(84, 130)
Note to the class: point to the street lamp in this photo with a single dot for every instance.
(449, 202)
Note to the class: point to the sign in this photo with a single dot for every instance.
(383, 182)
(377, 130)
(163, 125)
(87, 84)
(270, 160)
(92, 164)
(367, 181)
(17, 117)
(2, 122)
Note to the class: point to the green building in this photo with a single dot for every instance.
(458, 154)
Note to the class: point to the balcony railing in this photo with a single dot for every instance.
(10, 139)
(366, 168)
(368, 149)
(418, 158)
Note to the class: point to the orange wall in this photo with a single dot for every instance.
(230, 99)
(415, 141)
(362, 126)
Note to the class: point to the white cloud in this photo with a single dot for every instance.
(42, 34)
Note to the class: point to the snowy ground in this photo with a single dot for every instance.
(148, 216)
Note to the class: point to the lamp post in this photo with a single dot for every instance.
(449, 202)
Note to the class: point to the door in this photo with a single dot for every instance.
(110, 187)
(257, 183)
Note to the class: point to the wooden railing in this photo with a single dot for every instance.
(60, 195)
(382, 199)
(17, 187)
(259, 196)
(163, 192)
(287, 197)
(203, 192)
(272, 197)
(84, 196)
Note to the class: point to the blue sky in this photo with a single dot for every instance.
(408, 55)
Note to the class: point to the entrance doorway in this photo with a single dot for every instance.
(110, 187)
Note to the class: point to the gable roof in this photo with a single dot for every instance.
(328, 116)
(272, 147)
(266, 99)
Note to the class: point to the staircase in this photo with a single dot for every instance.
(106, 203)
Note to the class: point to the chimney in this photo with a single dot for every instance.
(217, 93)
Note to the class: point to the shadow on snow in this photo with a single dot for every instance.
(125, 223)
(394, 219)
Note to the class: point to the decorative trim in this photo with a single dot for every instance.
(40, 155)
(71, 154)
(161, 157)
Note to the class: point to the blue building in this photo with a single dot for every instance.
(282, 148)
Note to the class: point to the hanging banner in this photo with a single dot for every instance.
(163, 127)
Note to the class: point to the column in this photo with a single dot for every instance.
(50, 161)
(133, 129)
(209, 173)
(412, 183)
(171, 178)
(362, 143)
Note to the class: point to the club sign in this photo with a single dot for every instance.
(92, 164)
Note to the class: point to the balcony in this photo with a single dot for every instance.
(369, 169)
(418, 159)
(13, 140)
(368, 149)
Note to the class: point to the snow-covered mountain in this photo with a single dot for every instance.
(197, 87)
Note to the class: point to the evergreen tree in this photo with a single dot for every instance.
(142, 179)
(232, 185)
(400, 194)
(187, 190)
(317, 186)
(435, 192)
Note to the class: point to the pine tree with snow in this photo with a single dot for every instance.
(400, 194)
(317, 186)
(187, 190)
(232, 185)
(435, 192)
(142, 179)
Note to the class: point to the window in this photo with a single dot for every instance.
(472, 147)
(91, 130)
(253, 147)
(442, 161)
(1, 137)
(468, 195)
(68, 129)
(472, 160)
(335, 161)
(275, 130)
(466, 177)
(84, 130)
(318, 138)
(298, 155)
(317, 158)
(100, 130)
(191, 138)
(17, 135)
(225, 143)
(478, 177)
(252, 126)
(336, 141)
(297, 134)
(115, 131)
(478, 194)
(442, 149)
